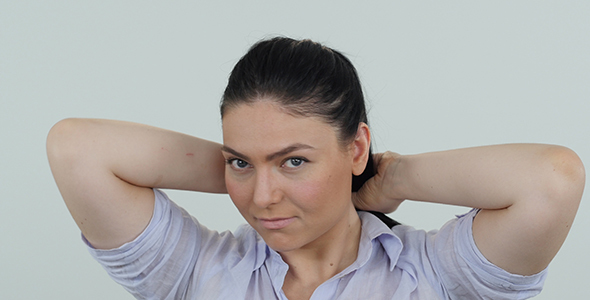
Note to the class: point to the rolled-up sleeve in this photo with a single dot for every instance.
(466, 274)
(160, 262)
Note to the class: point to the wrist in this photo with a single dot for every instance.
(399, 180)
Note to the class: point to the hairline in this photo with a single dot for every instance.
(292, 111)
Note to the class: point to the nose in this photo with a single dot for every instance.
(266, 192)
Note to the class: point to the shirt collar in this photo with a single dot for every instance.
(376, 233)
(372, 230)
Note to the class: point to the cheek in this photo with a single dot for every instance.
(309, 194)
(325, 192)
(239, 192)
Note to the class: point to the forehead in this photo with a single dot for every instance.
(264, 126)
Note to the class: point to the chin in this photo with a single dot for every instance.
(281, 242)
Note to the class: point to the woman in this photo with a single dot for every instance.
(295, 136)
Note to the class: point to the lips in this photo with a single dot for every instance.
(276, 223)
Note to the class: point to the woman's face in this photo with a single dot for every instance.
(288, 176)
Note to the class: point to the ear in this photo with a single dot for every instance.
(360, 149)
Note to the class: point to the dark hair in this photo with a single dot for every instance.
(307, 79)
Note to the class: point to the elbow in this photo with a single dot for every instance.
(61, 140)
(567, 176)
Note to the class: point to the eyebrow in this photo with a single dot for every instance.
(282, 152)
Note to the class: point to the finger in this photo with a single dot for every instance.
(358, 202)
(386, 159)
(377, 160)
(366, 196)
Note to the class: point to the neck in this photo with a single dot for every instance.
(328, 255)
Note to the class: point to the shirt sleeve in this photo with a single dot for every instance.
(466, 274)
(172, 257)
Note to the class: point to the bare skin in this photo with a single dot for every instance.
(528, 193)
(105, 171)
(260, 142)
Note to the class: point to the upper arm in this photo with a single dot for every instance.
(524, 237)
(108, 210)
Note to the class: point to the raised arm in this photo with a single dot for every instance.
(105, 171)
(528, 193)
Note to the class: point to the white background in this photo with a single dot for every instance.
(437, 75)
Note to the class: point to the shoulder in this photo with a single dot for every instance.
(177, 219)
(173, 247)
(450, 258)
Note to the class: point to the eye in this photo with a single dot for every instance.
(294, 162)
(238, 164)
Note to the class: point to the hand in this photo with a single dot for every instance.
(378, 193)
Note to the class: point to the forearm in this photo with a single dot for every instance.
(528, 193)
(489, 177)
(141, 155)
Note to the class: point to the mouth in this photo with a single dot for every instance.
(276, 223)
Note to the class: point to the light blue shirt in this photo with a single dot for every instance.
(178, 258)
